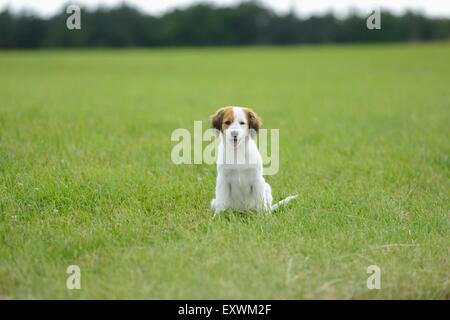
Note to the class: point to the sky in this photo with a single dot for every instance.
(434, 8)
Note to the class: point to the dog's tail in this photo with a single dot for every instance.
(282, 202)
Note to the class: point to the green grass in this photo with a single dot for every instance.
(86, 176)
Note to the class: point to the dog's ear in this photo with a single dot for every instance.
(254, 121)
(216, 119)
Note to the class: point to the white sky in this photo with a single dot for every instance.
(302, 7)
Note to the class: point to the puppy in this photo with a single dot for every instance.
(240, 183)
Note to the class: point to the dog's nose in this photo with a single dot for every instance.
(234, 133)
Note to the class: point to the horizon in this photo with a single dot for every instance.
(302, 9)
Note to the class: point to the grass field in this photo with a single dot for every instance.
(86, 176)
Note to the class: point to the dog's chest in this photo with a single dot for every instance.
(241, 183)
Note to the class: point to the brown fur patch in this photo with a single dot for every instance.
(221, 117)
(228, 117)
(254, 121)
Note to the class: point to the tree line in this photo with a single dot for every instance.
(248, 23)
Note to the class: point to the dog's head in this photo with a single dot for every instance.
(236, 123)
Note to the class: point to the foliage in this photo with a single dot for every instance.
(206, 25)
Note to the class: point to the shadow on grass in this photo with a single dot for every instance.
(241, 216)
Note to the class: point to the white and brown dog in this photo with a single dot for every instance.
(240, 183)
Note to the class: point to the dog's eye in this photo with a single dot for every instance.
(227, 123)
(242, 122)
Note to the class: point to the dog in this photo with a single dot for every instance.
(240, 184)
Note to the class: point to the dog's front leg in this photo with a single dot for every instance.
(223, 190)
(258, 189)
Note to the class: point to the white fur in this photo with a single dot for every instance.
(240, 183)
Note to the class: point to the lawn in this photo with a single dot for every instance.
(86, 176)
